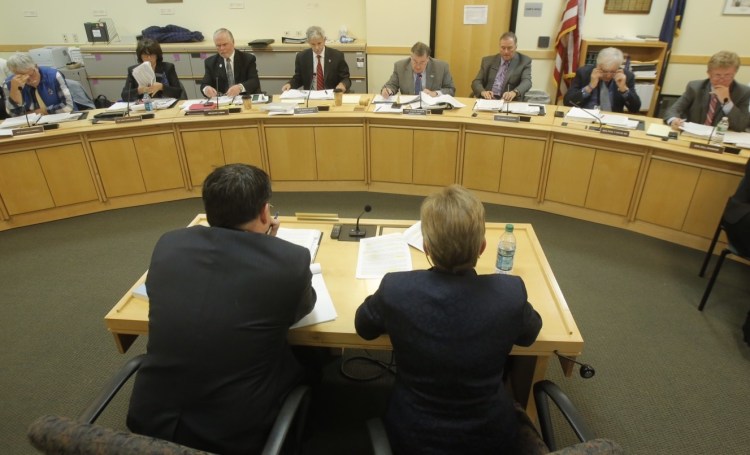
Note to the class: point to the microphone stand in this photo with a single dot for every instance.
(716, 124)
(23, 105)
(598, 120)
(130, 94)
(507, 104)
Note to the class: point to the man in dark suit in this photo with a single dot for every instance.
(606, 85)
(420, 70)
(221, 301)
(505, 75)
(234, 70)
(709, 100)
(328, 71)
(737, 215)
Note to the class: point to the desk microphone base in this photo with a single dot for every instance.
(346, 229)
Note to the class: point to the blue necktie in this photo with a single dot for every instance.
(418, 84)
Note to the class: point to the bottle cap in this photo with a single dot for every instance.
(508, 227)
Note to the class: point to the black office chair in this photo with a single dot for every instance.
(65, 436)
(529, 441)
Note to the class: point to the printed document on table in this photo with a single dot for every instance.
(305, 94)
(523, 108)
(324, 309)
(59, 118)
(15, 122)
(383, 254)
(308, 238)
(413, 236)
(488, 105)
(696, 129)
(733, 137)
(432, 100)
(580, 115)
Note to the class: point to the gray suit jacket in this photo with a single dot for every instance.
(693, 105)
(519, 74)
(437, 77)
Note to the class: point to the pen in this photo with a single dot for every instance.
(270, 228)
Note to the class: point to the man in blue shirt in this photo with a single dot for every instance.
(35, 89)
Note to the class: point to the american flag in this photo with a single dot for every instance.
(568, 44)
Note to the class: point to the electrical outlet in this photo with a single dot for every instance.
(75, 37)
(30, 13)
(65, 37)
(236, 5)
(99, 12)
(166, 11)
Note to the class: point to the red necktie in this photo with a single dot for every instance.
(712, 105)
(319, 76)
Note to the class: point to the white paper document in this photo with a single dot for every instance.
(308, 238)
(659, 130)
(579, 115)
(619, 120)
(278, 108)
(144, 75)
(59, 118)
(696, 129)
(523, 108)
(488, 105)
(324, 309)
(413, 236)
(388, 108)
(733, 137)
(294, 94)
(351, 99)
(383, 254)
(447, 99)
(21, 121)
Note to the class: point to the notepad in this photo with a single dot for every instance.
(658, 130)
(307, 238)
(324, 309)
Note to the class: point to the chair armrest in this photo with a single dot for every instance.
(544, 389)
(110, 390)
(295, 405)
(597, 446)
(378, 437)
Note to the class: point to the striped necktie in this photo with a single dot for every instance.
(230, 73)
(712, 105)
(319, 76)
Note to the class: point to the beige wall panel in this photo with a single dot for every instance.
(67, 173)
(159, 162)
(203, 151)
(291, 153)
(522, 166)
(569, 174)
(483, 160)
(435, 157)
(241, 145)
(391, 155)
(22, 183)
(667, 193)
(118, 167)
(612, 182)
(711, 194)
(336, 162)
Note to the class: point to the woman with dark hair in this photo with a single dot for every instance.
(166, 85)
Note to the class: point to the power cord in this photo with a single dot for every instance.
(384, 367)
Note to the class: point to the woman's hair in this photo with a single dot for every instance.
(148, 46)
(453, 228)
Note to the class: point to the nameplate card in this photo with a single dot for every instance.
(415, 111)
(149, 115)
(216, 112)
(305, 110)
(201, 113)
(507, 118)
(133, 119)
(235, 110)
(27, 130)
(706, 147)
(615, 132)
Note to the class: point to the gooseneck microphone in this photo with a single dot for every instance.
(598, 120)
(586, 371)
(716, 124)
(307, 98)
(23, 106)
(357, 232)
(507, 103)
(130, 93)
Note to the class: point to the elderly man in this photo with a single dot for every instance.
(506, 75)
(35, 89)
(232, 71)
(420, 73)
(707, 101)
(605, 84)
(327, 65)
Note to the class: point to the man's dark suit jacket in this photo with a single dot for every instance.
(218, 364)
(518, 77)
(693, 105)
(335, 69)
(245, 72)
(171, 88)
(619, 102)
(452, 334)
(737, 215)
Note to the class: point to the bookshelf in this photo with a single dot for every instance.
(646, 61)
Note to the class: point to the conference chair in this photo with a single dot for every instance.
(529, 441)
(81, 99)
(59, 435)
(727, 250)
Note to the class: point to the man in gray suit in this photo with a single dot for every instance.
(707, 101)
(505, 75)
(420, 73)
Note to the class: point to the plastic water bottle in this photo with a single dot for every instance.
(148, 103)
(343, 32)
(721, 129)
(506, 249)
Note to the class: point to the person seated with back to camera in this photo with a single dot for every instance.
(452, 331)
(35, 89)
(605, 85)
(167, 85)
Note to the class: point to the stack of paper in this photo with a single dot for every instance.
(308, 238)
(739, 139)
(523, 108)
(17, 122)
(278, 108)
(577, 114)
(223, 101)
(324, 309)
(383, 254)
(59, 118)
(696, 130)
(144, 75)
(488, 105)
(444, 99)
(659, 130)
(619, 121)
(295, 94)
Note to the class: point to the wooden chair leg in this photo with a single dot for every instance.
(710, 251)
(710, 286)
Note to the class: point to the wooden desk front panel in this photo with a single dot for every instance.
(291, 153)
(67, 174)
(569, 173)
(118, 166)
(391, 154)
(667, 193)
(435, 157)
(22, 183)
(203, 153)
(340, 153)
(707, 205)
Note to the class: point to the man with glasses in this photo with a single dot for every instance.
(605, 85)
(707, 101)
(35, 89)
(420, 73)
(505, 75)
(230, 71)
(320, 67)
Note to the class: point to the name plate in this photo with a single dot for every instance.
(216, 112)
(415, 111)
(201, 113)
(305, 110)
(133, 119)
(615, 132)
(27, 130)
(235, 110)
(706, 147)
(507, 118)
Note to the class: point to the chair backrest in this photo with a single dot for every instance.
(80, 97)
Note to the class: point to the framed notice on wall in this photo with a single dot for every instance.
(740, 7)
(627, 6)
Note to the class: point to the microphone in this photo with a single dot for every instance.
(357, 232)
(307, 98)
(130, 93)
(507, 104)
(716, 124)
(586, 371)
(598, 120)
(23, 105)
(217, 92)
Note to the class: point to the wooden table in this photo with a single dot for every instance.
(129, 317)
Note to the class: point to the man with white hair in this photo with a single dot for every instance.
(35, 89)
(320, 67)
(605, 84)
